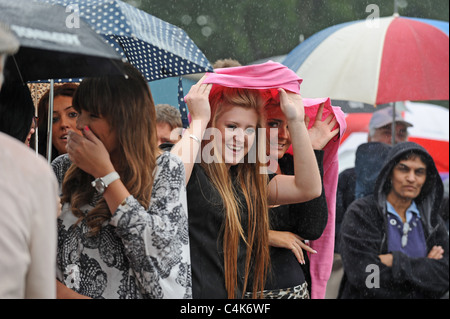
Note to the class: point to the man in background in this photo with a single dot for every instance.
(168, 124)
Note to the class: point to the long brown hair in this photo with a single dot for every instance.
(66, 89)
(127, 104)
(252, 183)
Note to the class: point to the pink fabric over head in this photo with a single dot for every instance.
(269, 75)
(321, 264)
(272, 75)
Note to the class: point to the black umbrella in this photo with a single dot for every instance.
(51, 47)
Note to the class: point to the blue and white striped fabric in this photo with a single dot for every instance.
(155, 47)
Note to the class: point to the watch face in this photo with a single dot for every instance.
(99, 186)
(101, 183)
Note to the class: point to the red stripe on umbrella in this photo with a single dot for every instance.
(412, 76)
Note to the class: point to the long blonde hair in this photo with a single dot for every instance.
(252, 183)
(127, 104)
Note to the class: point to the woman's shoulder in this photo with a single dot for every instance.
(169, 158)
(168, 163)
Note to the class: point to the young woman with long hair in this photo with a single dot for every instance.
(123, 231)
(64, 119)
(291, 224)
(229, 191)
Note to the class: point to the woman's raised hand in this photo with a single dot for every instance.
(322, 131)
(189, 146)
(197, 101)
(292, 106)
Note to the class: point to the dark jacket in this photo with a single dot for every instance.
(364, 236)
(359, 181)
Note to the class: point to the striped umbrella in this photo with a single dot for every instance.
(376, 62)
(430, 129)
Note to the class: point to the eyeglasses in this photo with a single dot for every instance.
(401, 134)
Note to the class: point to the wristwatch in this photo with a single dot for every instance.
(101, 183)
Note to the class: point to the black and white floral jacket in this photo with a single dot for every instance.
(139, 253)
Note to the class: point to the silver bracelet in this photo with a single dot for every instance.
(195, 138)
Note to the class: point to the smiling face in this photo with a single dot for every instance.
(64, 120)
(237, 127)
(277, 133)
(408, 178)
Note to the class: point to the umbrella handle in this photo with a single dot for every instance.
(393, 130)
(50, 122)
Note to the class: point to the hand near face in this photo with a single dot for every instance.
(292, 106)
(89, 153)
(322, 131)
(198, 101)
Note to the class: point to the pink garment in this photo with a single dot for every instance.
(272, 75)
(269, 75)
(321, 263)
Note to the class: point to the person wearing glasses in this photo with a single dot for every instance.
(380, 127)
(394, 243)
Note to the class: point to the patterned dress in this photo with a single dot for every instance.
(138, 253)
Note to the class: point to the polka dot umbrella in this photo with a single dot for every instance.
(156, 48)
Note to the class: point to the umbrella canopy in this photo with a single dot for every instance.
(156, 48)
(394, 59)
(48, 49)
(430, 129)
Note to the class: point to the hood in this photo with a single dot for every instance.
(369, 160)
(431, 195)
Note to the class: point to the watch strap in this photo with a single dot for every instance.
(111, 177)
